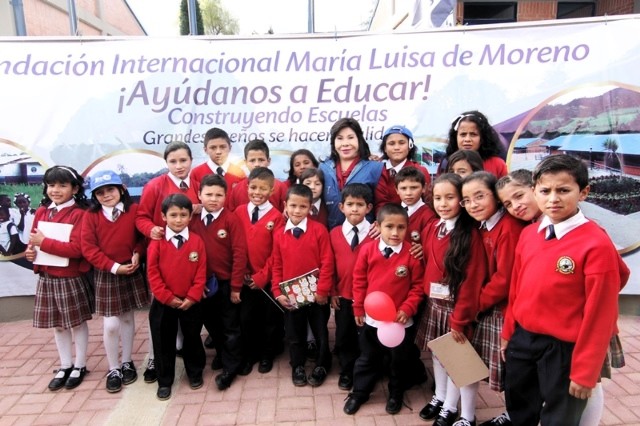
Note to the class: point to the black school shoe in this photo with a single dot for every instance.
(164, 393)
(432, 409)
(58, 381)
(196, 383)
(317, 376)
(265, 365)
(224, 380)
(150, 375)
(353, 404)
(501, 420)
(129, 373)
(246, 368)
(73, 382)
(394, 404)
(446, 418)
(114, 380)
(345, 382)
(299, 376)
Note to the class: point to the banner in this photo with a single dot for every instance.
(114, 103)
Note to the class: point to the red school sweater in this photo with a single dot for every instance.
(233, 176)
(386, 189)
(149, 213)
(400, 276)
(174, 272)
(345, 260)
(293, 257)
(78, 265)
(417, 222)
(105, 243)
(466, 307)
(567, 289)
(500, 247)
(226, 247)
(240, 195)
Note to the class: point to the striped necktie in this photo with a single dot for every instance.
(53, 212)
(115, 214)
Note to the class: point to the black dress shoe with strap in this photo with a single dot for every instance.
(74, 380)
(60, 378)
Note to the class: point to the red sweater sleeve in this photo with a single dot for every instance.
(157, 284)
(146, 209)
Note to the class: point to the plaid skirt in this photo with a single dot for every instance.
(434, 322)
(486, 341)
(614, 357)
(117, 294)
(63, 302)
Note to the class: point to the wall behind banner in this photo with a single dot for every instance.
(548, 87)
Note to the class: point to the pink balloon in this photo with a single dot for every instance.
(379, 306)
(390, 334)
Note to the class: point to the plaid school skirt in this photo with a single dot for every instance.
(63, 302)
(117, 294)
(614, 357)
(486, 341)
(434, 322)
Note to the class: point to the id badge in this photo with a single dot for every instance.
(439, 291)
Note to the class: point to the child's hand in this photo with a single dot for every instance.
(235, 297)
(458, 337)
(252, 284)
(186, 304)
(579, 391)
(176, 303)
(321, 300)
(36, 238)
(374, 231)
(359, 321)
(157, 232)
(30, 253)
(401, 317)
(285, 303)
(335, 302)
(135, 260)
(416, 251)
(126, 269)
(197, 209)
(503, 349)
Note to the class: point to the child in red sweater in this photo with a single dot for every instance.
(455, 272)
(303, 249)
(410, 183)
(113, 245)
(217, 145)
(386, 266)
(256, 154)
(224, 239)
(177, 267)
(563, 303)
(314, 178)
(64, 296)
(346, 242)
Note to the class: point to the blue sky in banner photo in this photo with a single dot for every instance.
(160, 17)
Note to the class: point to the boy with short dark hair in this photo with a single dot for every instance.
(176, 267)
(346, 242)
(256, 154)
(563, 303)
(303, 249)
(262, 321)
(226, 246)
(410, 183)
(217, 145)
(386, 266)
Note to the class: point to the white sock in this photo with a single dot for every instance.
(127, 331)
(595, 405)
(111, 337)
(440, 377)
(468, 399)
(81, 338)
(453, 396)
(64, 343)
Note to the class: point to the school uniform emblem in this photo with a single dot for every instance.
(401, 271)
(565, 265)
(193, 256)
(222, 233)
(270, 225)
(415, 236)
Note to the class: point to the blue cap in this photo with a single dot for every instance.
(104, 178)
(400, 130)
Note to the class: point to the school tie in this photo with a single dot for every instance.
(180, 240)
(115, 214)
(551, 234)
(387, 252)
(392, 173)
(209, 218)
(355, 240)
(52, 212)
(442, 230)
(296, 232)
(483, 226)
(254, 214)
(314, 211)
(220, 171)
(183, 185)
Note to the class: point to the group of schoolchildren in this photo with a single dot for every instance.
(538, 302)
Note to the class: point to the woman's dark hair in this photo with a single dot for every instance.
(343, 123)
(292, 177)
(458, 253)
(174, 146)
(64, 174)
(125, 198)
(489, 140)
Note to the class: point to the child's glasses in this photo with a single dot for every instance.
(475, 199)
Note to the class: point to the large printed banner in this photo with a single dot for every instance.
(114, 103)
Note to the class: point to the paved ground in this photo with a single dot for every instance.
(28, 356)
